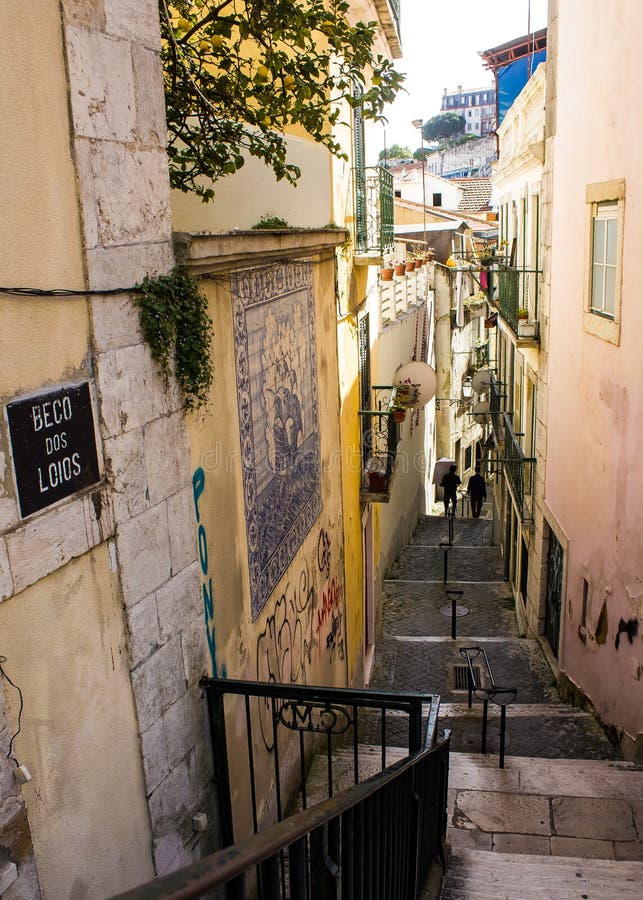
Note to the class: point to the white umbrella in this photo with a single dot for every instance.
(441, 468)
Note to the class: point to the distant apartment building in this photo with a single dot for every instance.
(477, 106)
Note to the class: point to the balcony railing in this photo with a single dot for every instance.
(374, 224)
(519, 471)
(517, 300)
(380, 437)
(518, 468)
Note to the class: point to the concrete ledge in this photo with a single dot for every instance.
(204, 253)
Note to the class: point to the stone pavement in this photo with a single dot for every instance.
(564, 793)
(416, 651)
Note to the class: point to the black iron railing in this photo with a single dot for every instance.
(517, 297)
(374, 218)
(376, 840)
(380, 437)
(282, 718)
(519, 470)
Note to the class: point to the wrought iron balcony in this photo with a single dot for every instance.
(380, 437)
(519, 471)
(374, 227)
(518, 468)
(517, 301)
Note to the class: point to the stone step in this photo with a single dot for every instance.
(530, 863)
(482, 874)
(465, 563)
(580, 778)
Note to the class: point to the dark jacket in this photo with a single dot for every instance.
(450, 483)
(477, 487)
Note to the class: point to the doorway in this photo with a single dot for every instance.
(553, 601)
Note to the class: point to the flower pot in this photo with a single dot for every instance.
(410, 266)
(399, 416)
(419, 263)
(377, 481)
(400, 269)
(387, 273)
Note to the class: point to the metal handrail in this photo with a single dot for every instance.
(330, 843)
(331, 713)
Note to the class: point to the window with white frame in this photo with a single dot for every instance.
(604, 237)
(605, 223)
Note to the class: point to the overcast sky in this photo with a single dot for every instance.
(441, 41)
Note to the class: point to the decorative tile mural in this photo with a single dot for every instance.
(274, 337)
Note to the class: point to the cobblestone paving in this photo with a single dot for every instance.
(572, 737)
(464, 564)
(428, 667)
(413, 596)
(414, 609)
(430, 530)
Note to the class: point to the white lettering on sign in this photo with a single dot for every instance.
(59, 472)
(51, 413)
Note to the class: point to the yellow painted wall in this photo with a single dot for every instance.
(65, 647)
(351, 480)
(288, 640)
(40, 242)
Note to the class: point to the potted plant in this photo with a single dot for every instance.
(523, 313)
(410, 265)
(400, 267)
(399, 413)
(376, 475)
(387, 273)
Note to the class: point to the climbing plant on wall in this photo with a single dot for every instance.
(178, 330)
(239, 72)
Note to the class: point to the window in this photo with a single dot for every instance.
(605, 221)
(437, 199)
(398, 194)
(603, 295)
(468, 455)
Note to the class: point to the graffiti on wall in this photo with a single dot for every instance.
(304, 616)
(198, 487)
(276, 371)
(329, 614)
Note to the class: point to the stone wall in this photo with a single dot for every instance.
(119, 148)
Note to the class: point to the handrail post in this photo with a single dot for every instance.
(415, 727)
(220, 753)
(503, 725)
(483, 743)
(454, 611)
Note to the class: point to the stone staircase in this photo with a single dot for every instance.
(564, 819)
(478, 875)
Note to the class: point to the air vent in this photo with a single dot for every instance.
(461, 677)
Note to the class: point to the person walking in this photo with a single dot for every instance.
(477, 492)
(450, 482)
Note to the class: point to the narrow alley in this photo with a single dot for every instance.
(564, 791)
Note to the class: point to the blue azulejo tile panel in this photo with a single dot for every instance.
(275, 348)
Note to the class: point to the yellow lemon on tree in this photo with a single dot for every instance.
(184, 24)
(289, 82)
(266, 121)
(204, 45)
(262, 72)
(217, 41)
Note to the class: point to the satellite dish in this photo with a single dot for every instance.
(422, 376)
(481, 380)
(479, 410)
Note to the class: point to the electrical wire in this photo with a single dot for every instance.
(65, 292)
(3, 674)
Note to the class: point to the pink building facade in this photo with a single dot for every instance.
(593, 504)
